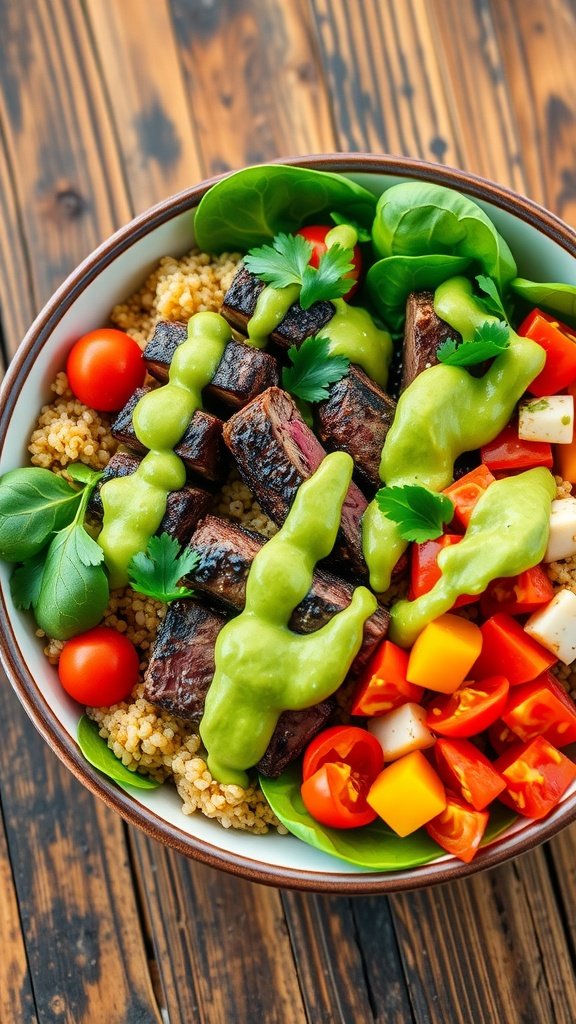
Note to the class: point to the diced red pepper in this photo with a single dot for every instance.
(517, 595)
(541, 708)
(507, 649)
(424, 568)
(467, 771)
(465, 492)
(537, 775)
(559, 342)
(383, 684)
(508, 452)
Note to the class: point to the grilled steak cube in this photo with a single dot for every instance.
(423, 334)
(292, 735)
(243, 371)
(226, 552)
(200, 447)
(275, 452)
(240, 302)
(355, 418)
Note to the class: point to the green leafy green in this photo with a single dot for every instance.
(329, 280)
(34, 504)
(556, 298)
(157, 571)
(390, 281)
(419, 513)
(26, 580)
(74, 590)
(251, 206)
(83, 474)
(313, 369)
(491, 300)
(282, 263)
(98, 754)
(489, 340)
(362, 232)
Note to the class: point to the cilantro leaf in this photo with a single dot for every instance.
(281, 264)
(157, 571)
(490, 339)
(25, 581)
(419, 513)
(329, 280)
(362, 232)
(491, 300)
(313, 368)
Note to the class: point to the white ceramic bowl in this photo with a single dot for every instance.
(545, 249)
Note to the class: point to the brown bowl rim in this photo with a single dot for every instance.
(34, 703)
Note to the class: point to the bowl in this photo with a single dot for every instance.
(545, 248)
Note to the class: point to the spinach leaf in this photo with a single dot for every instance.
(34, 504)
(251, 206)
(374, 847)
(390, 281)
(98, 753)
(74, 590)
(554, 298)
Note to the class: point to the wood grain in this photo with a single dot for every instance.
(16, 998)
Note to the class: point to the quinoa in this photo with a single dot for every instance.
(68, 431)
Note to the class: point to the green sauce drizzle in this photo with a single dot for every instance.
(507, 534)
(444, 412)
(134, 506)
(262, 667)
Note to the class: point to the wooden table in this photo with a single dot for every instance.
(106, 107)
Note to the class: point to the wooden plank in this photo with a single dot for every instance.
(254, 80)
(221, 943)
(561, 857)
(16, 999)
(17, 302)
(148, 98)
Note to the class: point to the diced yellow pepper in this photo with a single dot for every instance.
(444, 653)
(407, 794)
(565, 454)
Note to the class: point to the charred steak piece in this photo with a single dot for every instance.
(275, 452)
(243, 371)
(423, 335)
(226, 552)
(200, 448)
(355, 418)
(181, 669)
(240, 302)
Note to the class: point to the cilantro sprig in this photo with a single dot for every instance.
(490, 339)
(157, 571)
(491, 300)
(420, 514)
(313, 369)
(286, 262)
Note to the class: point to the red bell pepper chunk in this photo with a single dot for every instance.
(537, 775)
(458, 829)
(465, 492)
(517, 595)
(467, 771)
(383, 684)
(425, 571)
(559, 342)
(508, 452)
(507, 649)
(541, 708)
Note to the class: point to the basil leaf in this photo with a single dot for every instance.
(74, 591)
(99, 755)
(34, 504)
(26, 580)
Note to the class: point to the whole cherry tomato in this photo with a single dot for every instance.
(99, 667)
(104, 368)
(316, 235)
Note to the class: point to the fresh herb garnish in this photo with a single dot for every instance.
(491, 300)
(362, 233)
(419, 513)
(34, 504)
(313, 369)
(490, 339)
(285, 263)
(26, 580)
(98, 754)
(157, 571)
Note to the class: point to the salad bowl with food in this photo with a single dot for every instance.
(288, 523)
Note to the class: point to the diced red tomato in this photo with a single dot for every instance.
(468, 772)
(465, 492)
(537, 775)
(517, 595)
(383, 684)
(541, 708)
(340, 765)
(507, 649)
(470, 709)
(459, 828)
(316, 235)
(424, 568)
(508, 452)
(501, 737)
(559, 342)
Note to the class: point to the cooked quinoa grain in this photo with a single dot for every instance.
(68, 431)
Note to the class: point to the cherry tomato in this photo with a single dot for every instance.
(470, 709)
(425, 571)
(316, 234)
(541, 708)
(468, 772)
(340, 765)
(99, 667)
(465, 493)
(347, 743)
(104, 368)
(459, 828)
(383, 684)
(536, 777)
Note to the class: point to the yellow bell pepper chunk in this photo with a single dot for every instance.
(407, 794)
(565, 454)
(444, 653)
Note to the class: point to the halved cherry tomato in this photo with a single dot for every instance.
(99, 667)
(465, 492)
(346, 743)
(559, 342)
(537, 775)
(425, 571)
(508, 650)
(340, 765)
(541, 708)
(316, 235)
(468, 772)
(383, 684)
(517, 595)
(470, 709)
(459, 828)
(104, 368)
(508, 452)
